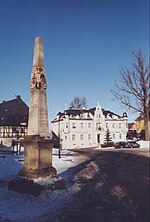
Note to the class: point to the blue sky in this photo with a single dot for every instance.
(86, 42)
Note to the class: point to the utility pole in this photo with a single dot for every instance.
(59, 156)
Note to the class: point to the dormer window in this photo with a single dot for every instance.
(81, 115)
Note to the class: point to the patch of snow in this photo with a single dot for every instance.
(144, 144)
(7, 149)
(22, 207)
(63, 152)
(9, 167)
(23, 124)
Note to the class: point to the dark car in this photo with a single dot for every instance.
(121, 144)
(133, 144)
(127, 144)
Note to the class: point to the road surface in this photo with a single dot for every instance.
(111, 186)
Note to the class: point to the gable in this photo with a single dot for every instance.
(14, 113)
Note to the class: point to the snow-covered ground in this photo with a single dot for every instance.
(16, 207)
(144, 144)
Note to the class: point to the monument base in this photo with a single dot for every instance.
(37, 158)
(30, 186)
(36, 173)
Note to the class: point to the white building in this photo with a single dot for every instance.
(85, 128)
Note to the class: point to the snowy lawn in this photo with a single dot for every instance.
(144, 144)
(16, 207)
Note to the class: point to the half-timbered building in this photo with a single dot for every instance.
(13, 120)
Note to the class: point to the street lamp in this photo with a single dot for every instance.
(59, 156)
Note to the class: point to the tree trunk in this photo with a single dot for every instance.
(147, 128)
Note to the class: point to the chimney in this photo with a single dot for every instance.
(18, 97)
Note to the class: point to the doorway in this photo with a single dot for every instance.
(98, 138)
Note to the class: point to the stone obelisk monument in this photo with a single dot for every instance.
(37, 146)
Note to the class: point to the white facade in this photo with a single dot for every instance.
(87, 128)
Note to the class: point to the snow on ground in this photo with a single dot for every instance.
(16, 207)
(9, 167)
(144, 144)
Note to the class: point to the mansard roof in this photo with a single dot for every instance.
(110, 113)
(14, 113)
(77, 112)
(71, 113)
(92, 110)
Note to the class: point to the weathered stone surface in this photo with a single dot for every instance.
(37, 148)
(29, 186)
(38, 114)
(37, 157)
(25, 185)
(38, 57)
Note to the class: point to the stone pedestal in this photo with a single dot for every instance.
(37, 158)
(31, 187)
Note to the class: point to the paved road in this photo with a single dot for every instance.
(108, 186)
(112, 187)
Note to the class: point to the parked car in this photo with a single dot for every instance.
(121, 144)
(127, 144)
(133, 144)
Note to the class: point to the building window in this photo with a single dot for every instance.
(81, 136)
(14, 129)
(119, 125)
(106, 125)
(113, 125)
(89, 136)
(98, 127)
(120, 136)
(114, 136)
(73, 137)
(89, 125)
(81, 125)
(73, 125)
(66, 125)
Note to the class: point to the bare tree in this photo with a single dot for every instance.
(133, 89)
(78, 103)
